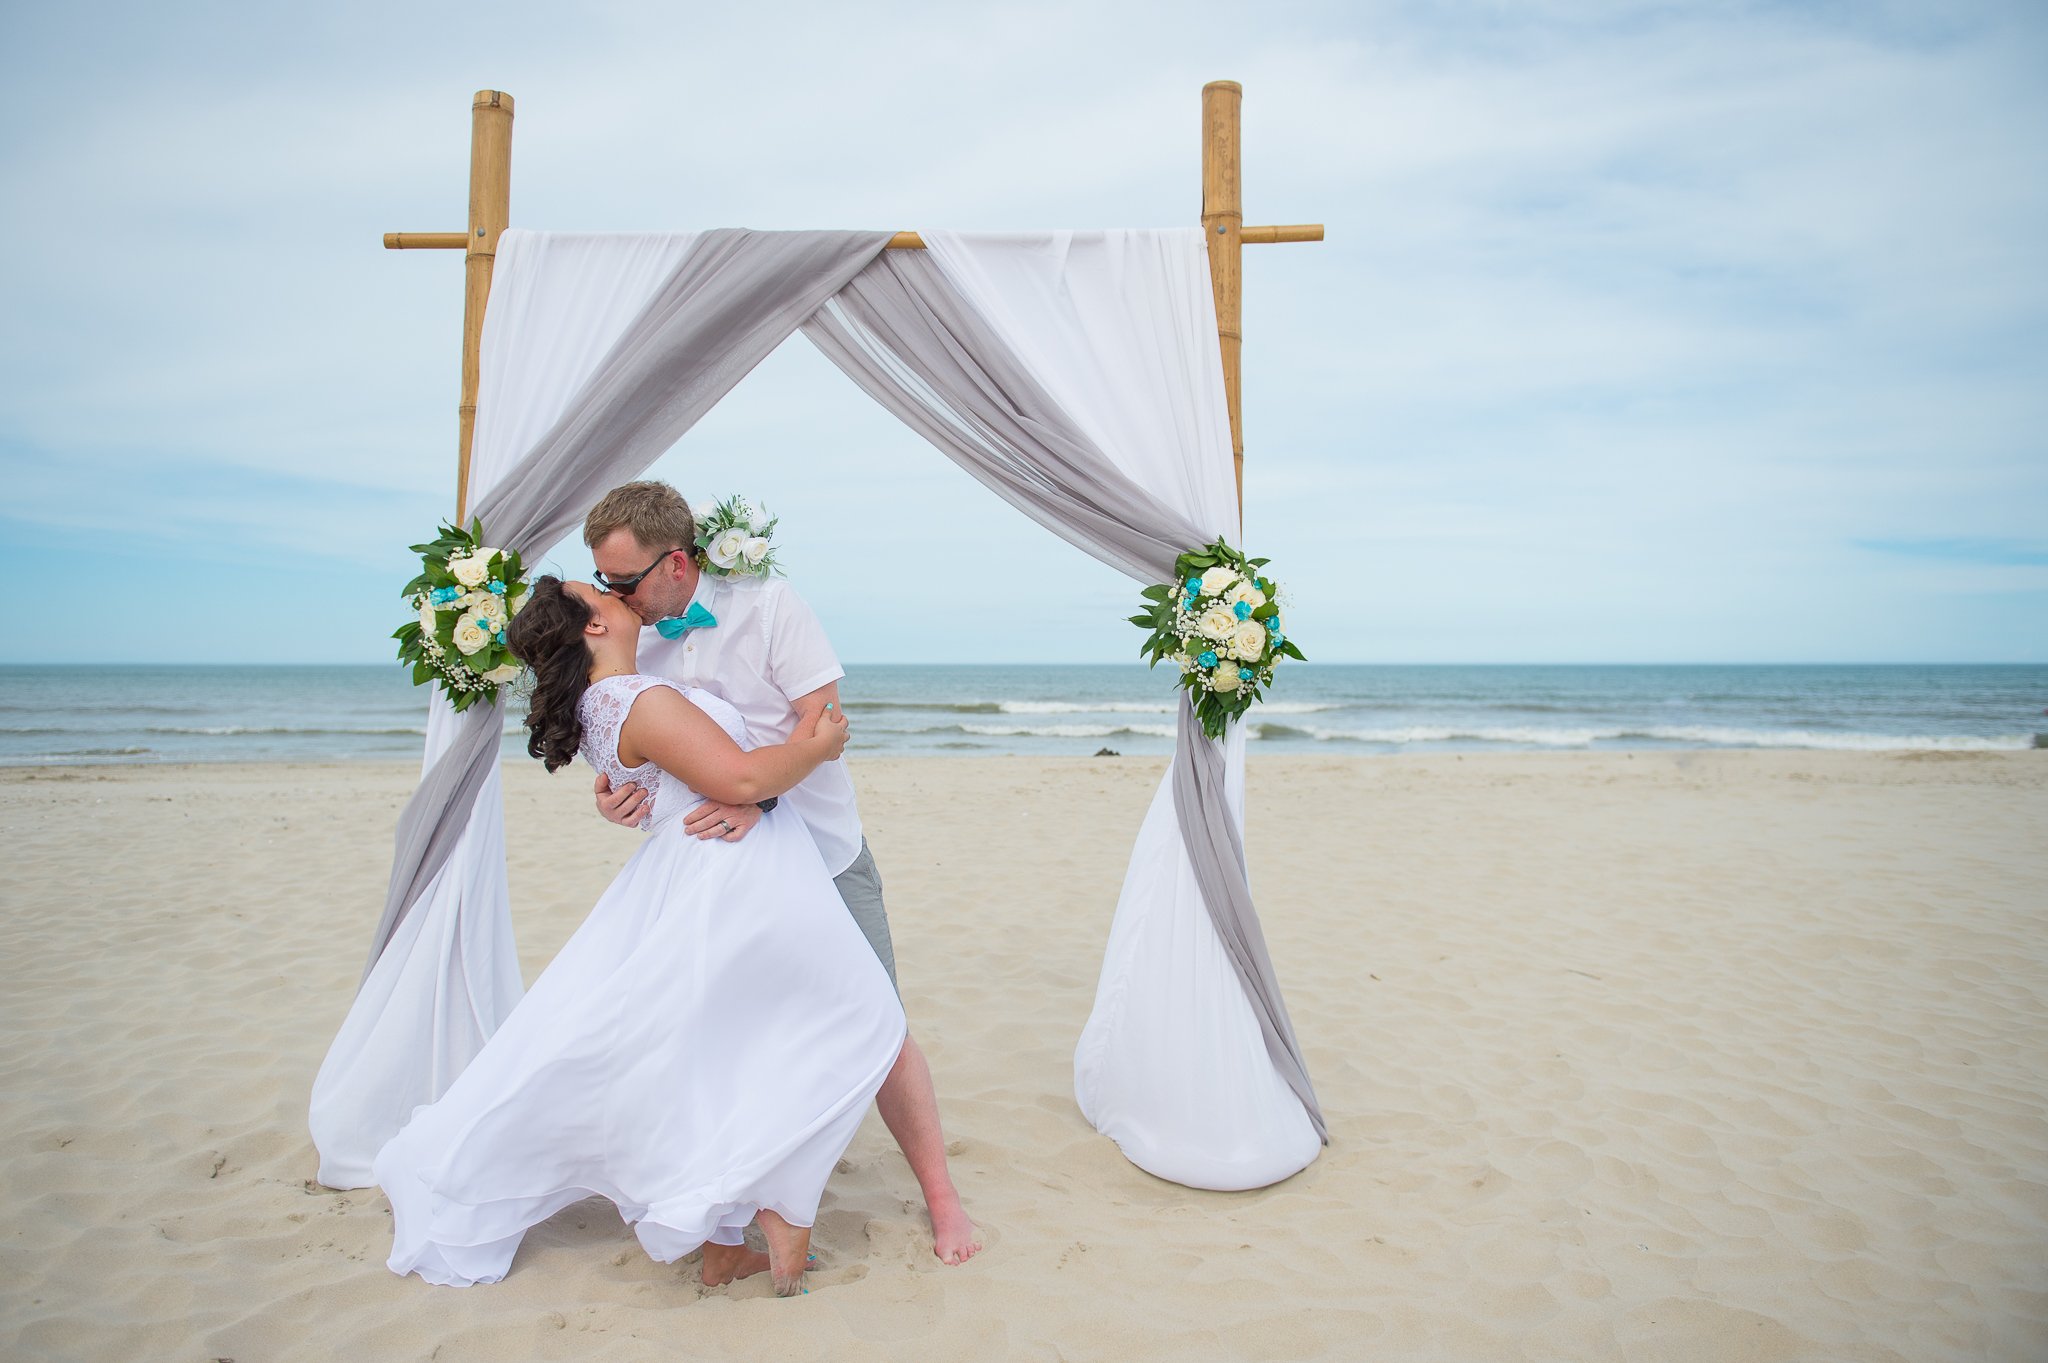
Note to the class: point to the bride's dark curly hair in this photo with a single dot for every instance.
(547, 635)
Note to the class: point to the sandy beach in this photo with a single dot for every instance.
(1717, 1056)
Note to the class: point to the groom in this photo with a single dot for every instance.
(753, 642)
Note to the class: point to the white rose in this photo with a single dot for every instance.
(491, 606)
(1247, 593)
(1217, 623)
(474, 569)
(1250, 640)
(426, 618)
(470, 635)
(1219, 580)
(725, 550)
(1225, 677)
(754, 550)
(502, 673)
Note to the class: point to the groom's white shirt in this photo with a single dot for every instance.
(766, 650)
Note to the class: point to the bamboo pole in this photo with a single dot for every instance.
(1250, 236)
(1223, 223)
(902, 241)
(1268, 236)
(490, 211)
(426, 241)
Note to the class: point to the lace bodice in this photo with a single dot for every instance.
(603, 714)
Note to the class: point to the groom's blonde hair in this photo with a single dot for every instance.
(655, 512)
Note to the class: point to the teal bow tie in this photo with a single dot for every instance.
(676, 626)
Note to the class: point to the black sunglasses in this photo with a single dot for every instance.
(625, 586)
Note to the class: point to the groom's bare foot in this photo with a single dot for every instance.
(728, 1263)
(911, 1110)
(789, 1250)
(954, 1238)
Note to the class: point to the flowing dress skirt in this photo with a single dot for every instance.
(705, 1046)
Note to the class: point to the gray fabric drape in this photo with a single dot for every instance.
(907, 337)
(728, 303)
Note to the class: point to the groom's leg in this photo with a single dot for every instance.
(910, 1107)
(860, 885)
(908, 1102)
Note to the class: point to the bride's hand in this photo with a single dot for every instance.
(831, 730)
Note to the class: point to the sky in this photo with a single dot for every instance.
(1648, 332)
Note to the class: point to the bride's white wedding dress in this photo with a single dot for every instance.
(704, 1046)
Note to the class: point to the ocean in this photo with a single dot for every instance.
(65, 715)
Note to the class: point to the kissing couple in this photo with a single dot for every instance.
(704, 1047)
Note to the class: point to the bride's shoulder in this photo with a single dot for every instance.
(615, 697)
(635, 687)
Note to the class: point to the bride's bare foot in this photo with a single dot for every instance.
(789, 1249)
(728, 1263)
(953, 1236)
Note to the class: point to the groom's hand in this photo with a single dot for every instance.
(714, 820)
(623, 807)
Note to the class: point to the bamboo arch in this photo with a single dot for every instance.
(490, 211)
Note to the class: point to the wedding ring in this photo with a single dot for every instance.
(726, 824)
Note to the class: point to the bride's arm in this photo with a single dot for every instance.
(666, 729)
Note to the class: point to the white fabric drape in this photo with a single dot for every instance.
(450, 974)
(1120, 328)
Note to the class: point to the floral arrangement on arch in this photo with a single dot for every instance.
(466, 594)
(735, 536)
(1219, 623)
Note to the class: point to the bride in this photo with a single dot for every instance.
(704, 1047)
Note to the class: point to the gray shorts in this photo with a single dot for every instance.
(860, 885)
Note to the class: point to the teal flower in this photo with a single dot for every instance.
(1208, 658)
(1243, 610)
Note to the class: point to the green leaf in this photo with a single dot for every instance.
(1158, 593)
(1291, 651)
(1265, 612)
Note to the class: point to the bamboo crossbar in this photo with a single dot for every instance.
(426, 241)
(1270, 236)
(490, 176)
(902, 241)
